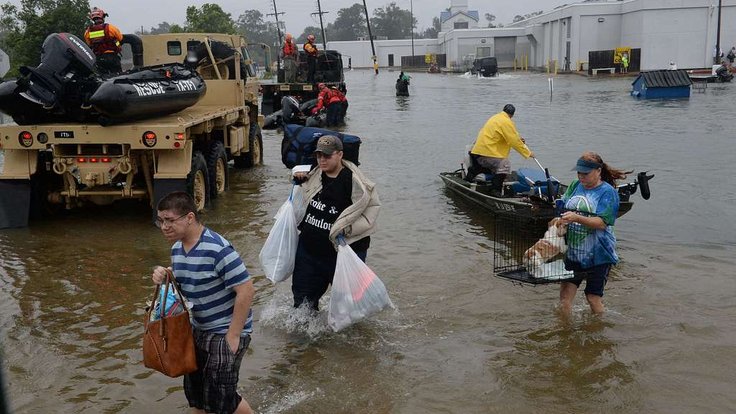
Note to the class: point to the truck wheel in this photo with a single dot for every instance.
(255, 155)
(197, 181)
(217, 168)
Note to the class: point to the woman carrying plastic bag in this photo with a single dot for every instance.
(356, 291)
(279, 252)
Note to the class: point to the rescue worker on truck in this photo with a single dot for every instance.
(491, 150)
(104, 39)
(334, 102)
(311, 50)
(290, 55)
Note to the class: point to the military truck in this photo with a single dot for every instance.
(329, 71)
(47, 166)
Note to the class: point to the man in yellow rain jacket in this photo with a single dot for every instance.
(104, 39)
(492, 147)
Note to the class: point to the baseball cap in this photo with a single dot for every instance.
(328, 144)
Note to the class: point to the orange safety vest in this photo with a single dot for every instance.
(101, 40)
(310, 49)
(289, 49)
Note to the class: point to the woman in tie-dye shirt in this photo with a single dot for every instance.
(591, 206)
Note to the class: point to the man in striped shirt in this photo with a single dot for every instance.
(214, 280)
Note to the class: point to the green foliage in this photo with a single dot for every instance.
(210, 18)
(23, 29)
(349, 24)
(259, 34)
(431, 32)
(393, 22)
(316, 31)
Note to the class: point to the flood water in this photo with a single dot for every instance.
(460, 340)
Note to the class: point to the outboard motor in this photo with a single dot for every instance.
(643, 179)
(64, 58)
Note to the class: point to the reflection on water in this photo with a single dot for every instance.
(74, 288)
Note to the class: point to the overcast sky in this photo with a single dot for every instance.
(130, 15)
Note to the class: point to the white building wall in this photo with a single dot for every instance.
(664, 30)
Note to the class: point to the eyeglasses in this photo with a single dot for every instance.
(166, 222)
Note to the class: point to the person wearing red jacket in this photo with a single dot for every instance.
(104, 39)
(334, 102)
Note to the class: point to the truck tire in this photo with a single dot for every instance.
(42, 182)
(255, 155)
(217, 168)
(198, 181)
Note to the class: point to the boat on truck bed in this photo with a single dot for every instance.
(74, 163)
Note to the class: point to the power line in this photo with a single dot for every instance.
(321, 25)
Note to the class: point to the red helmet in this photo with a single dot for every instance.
(97, 14)
(321, 86)
(310, 38)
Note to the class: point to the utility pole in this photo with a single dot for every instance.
(370, 36)
(411, 13)
(278, 30)
(717, 58)
(321, 25)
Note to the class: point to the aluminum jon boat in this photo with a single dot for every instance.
(530, 194)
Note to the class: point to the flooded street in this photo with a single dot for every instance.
(461, 340)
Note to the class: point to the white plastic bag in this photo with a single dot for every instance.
(279, 252)
(356, 291)
(300, 205)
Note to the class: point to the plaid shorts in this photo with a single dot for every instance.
(213, 387)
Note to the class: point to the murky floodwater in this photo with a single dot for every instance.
(461, 341)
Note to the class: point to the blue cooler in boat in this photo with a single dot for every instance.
(534, 181)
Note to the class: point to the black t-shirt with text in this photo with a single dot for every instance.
(322, 211)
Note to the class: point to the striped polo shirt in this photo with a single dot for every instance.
(207, 275)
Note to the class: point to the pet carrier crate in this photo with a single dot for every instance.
(530, 254)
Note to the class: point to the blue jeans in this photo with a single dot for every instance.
(313, 275)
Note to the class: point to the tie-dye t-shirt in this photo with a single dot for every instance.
(586, 246)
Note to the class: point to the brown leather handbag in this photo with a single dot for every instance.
(168, 344)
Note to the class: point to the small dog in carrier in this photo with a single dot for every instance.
(549, 246)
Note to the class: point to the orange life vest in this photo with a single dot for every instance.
(101, 40)
(289, 49)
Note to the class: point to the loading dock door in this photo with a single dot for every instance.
(505, 48)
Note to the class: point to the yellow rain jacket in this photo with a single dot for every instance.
(497, 137)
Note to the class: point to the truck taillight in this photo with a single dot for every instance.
(149, 139)
(80, 159)
(25, 139)
(179, 136)
(104, 159)
(93, 159)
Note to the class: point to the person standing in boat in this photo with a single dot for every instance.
(591, 205)
(491, 150)
(104, 39)
(340, 201)
(290, 55)
(311, 50)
